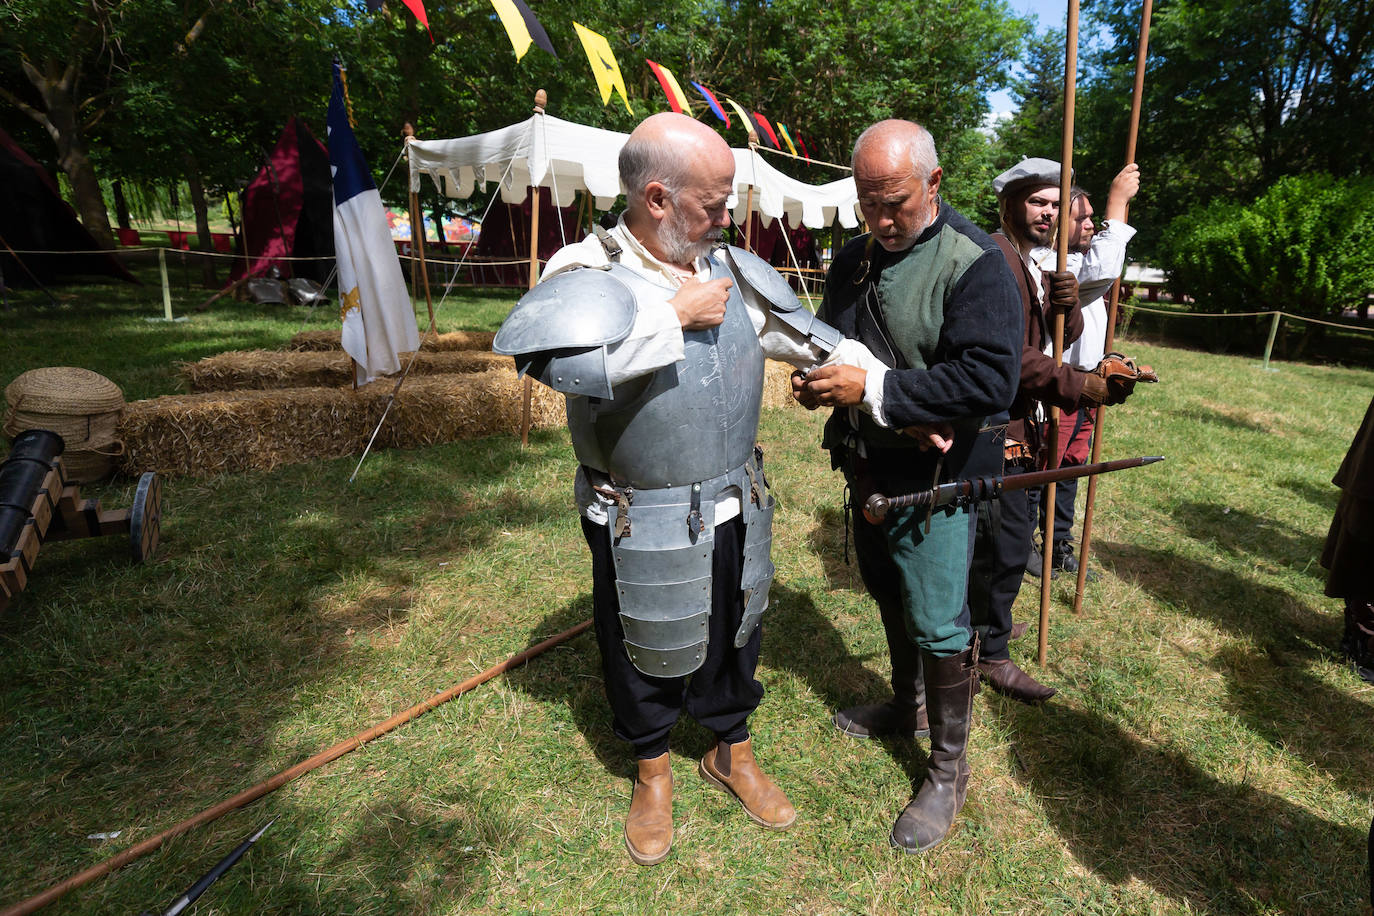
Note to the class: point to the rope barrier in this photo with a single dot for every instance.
(1281, 314)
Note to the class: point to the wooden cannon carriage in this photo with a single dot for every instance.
(37, 506)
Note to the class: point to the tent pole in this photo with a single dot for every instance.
(541, 99)
(749, 198)
(417, 235)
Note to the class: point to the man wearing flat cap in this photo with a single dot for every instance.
(1028, 199)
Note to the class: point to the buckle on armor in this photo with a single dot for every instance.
(694, 524)
(622, 500)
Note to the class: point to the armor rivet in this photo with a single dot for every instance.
(577, 381)
(665, 664)
(559, 379)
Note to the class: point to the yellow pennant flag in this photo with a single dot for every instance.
(516, 29)
(748, 122)
(604, 67)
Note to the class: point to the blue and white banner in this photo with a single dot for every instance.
(378, 317)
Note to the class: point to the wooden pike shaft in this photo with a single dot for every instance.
(1132, 134)
(541, 99)
(1061, 264)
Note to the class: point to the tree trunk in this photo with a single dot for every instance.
(203, 241)
(121, 205)
(63, 124)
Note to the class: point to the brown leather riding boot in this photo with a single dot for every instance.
(649, 826)
(903, 716)
(732, 767)
(950, 686)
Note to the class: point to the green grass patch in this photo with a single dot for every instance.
(1208, 752)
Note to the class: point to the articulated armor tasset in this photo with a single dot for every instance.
(671, 442)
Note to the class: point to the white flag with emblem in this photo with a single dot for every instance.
(378, 317)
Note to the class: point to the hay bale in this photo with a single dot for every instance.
(453, 340)
(777, 385)
(230, 431)
(244, 370)
(81, 406)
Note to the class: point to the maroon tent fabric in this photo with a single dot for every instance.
(288, 210)
(506, 236)
(34, 217)
(767, 242)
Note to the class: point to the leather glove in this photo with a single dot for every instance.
(1063, 290)
(1119, 374)
(1094, 388)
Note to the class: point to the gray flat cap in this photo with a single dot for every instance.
(1028, 171)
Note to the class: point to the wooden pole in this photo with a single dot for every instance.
(247, 796)
(1132, 133)
(749, 198)
(541, 99)
(1061, 264)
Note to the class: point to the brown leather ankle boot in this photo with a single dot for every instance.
(649, 826)
(732, 767)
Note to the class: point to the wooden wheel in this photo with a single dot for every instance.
(145, 518)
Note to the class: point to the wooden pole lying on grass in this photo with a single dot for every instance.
(1137, 94)
(541, 99)
(1061, 264)
(140, 850)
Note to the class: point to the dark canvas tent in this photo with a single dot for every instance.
(288, 209)
(506, 236)
(34, 217)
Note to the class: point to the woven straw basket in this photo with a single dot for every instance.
(81, 406)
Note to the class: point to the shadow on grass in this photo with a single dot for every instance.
(1271, 617)
(800, 639)
(827, 540)
(118, 684)
(414, 861)
(1325, 497)
(1212, 417)
(1242, 533)
(1272, 688)
(1130, 810)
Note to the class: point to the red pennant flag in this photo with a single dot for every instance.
(677, 99)
(767, 131)
(802, 143)
(418, 8)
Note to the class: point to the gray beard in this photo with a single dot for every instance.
(678, 248)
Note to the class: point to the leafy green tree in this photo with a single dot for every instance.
(1301, 247)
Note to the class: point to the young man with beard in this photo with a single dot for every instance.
(930, 294)
(1028, 196)
(659, 342)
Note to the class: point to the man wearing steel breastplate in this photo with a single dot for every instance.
(930, 294)
(659, 342)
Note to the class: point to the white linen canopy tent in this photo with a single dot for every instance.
(566, 157)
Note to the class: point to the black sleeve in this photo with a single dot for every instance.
(978, 359)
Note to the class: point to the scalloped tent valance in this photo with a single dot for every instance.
(566, 157)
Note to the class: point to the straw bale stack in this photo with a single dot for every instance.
(453, 340)
(81, 406)
(241, 370)
(220, 432)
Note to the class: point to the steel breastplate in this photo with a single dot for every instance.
(691, 421)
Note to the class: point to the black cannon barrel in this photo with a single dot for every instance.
(21, 477)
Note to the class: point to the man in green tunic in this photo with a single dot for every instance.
(931, 296)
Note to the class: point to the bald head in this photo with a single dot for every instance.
(678, 175)
(897, 178)
(664, 148)
(894, 141)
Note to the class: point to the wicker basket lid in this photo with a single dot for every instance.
(65, 391)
